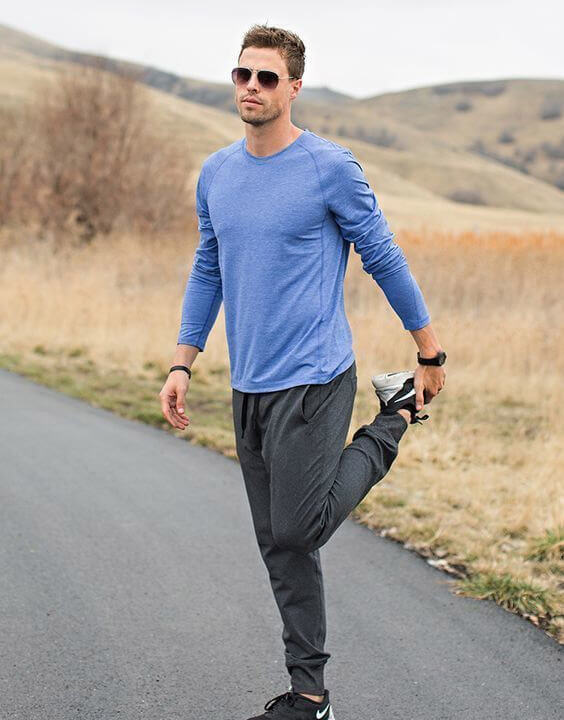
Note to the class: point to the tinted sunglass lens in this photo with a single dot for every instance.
(268, 79)
(240, 75)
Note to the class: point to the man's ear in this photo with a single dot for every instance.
(296, 88)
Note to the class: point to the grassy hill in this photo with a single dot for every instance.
(462, 155)
(518, 122)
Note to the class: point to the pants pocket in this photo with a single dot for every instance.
(316, 396)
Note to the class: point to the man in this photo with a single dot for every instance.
(278, 211)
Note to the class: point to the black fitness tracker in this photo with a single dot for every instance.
(439, 359)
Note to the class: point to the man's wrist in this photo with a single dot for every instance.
(430, 352)
(427, 341)
(438, 359)
(182, 368)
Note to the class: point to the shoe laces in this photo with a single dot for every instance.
(414, 418)
(418, 418)
(286, 698)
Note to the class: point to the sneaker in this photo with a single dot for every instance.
(293, 706)
(395, 390)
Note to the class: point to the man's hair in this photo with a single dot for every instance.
(288, 44)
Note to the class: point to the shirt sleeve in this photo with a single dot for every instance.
(204, 291)
(362, 222)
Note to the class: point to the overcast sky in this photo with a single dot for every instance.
(360, 48)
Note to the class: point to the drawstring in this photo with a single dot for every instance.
(244, 414)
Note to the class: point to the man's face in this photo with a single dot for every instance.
(269, 104)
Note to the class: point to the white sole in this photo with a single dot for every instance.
(382, 380)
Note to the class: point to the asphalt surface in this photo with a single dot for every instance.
(131, 587)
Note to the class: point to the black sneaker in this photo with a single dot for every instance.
(395, 390)
(293, 706)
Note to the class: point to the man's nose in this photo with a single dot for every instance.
(253, 83)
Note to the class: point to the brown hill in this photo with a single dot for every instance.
(485, 154)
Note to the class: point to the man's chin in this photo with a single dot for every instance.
(252, 119)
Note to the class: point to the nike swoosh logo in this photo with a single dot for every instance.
(321, 713)
(404, 396)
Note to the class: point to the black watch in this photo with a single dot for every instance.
(439, 359)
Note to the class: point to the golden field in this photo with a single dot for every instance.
(477, 488)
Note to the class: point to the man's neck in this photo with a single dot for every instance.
(263, 144)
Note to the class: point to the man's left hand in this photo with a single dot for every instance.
(428, 381)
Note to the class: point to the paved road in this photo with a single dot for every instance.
(131, 587)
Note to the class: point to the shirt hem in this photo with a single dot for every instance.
(318, 379)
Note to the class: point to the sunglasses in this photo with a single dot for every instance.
(267, 78)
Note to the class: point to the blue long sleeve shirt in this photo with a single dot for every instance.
(275, 235)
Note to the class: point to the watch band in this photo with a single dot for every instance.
(439, 359)
(181, 367)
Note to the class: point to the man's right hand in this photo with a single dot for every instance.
(173, 396)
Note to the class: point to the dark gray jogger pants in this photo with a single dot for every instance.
(301, 484)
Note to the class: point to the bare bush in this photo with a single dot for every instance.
(506, 137)
(463, 106)
(520, 162)
(491, 88)
(97, 161)
(529, 155)
(551, 109)
(554, 152)
(16, 165)
(471, 197)
(377, 136)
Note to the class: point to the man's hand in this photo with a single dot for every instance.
(428, 382)
(172, 398)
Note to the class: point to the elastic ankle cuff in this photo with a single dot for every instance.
(306, 682)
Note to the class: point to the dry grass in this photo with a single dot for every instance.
(480, 484)
(412, 184)
(485, 479)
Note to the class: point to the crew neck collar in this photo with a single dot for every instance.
(266, 158)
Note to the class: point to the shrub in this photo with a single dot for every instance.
(555, 152)
(94, 159)
(506, 136)
(463, 106)
(478, 87)
(479, 148)
(492, 89)
(470, 197)
(377, 136)
(551, 109)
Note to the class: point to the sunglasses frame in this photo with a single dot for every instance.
(253, 70)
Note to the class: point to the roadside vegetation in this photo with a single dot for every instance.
(97, 235)
(477, 489)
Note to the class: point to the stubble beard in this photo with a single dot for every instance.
(265, 117)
